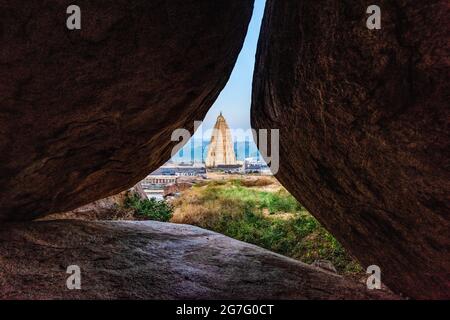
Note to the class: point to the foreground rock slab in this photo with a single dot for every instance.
(364, 128)
(87, 114)
(152, 260)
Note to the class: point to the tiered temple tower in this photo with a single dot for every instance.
(221, 150)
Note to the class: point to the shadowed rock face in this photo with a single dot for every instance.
(87, 114)
(152, 260)
(364, 128)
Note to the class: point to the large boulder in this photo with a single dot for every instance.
(363, 118)
(86, 114)
(153, 260)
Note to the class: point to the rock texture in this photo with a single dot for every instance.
(111, 208)
(364, 124)
(152, 260)
(87, 114)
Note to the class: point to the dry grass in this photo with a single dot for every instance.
(258, 182)
(192, 208)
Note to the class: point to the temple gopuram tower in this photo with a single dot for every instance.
(221, 150)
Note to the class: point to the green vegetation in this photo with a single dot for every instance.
(150, 209)
(272, 219)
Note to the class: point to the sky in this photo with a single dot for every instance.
(235, 99)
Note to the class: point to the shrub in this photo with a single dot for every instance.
(151, 209)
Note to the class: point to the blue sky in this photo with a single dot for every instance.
(235, 99)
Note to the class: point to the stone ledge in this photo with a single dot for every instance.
(153, 260)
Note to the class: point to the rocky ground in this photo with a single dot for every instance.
(152, 260)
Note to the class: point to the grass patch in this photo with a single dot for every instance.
(272, 220)
(151, 209)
